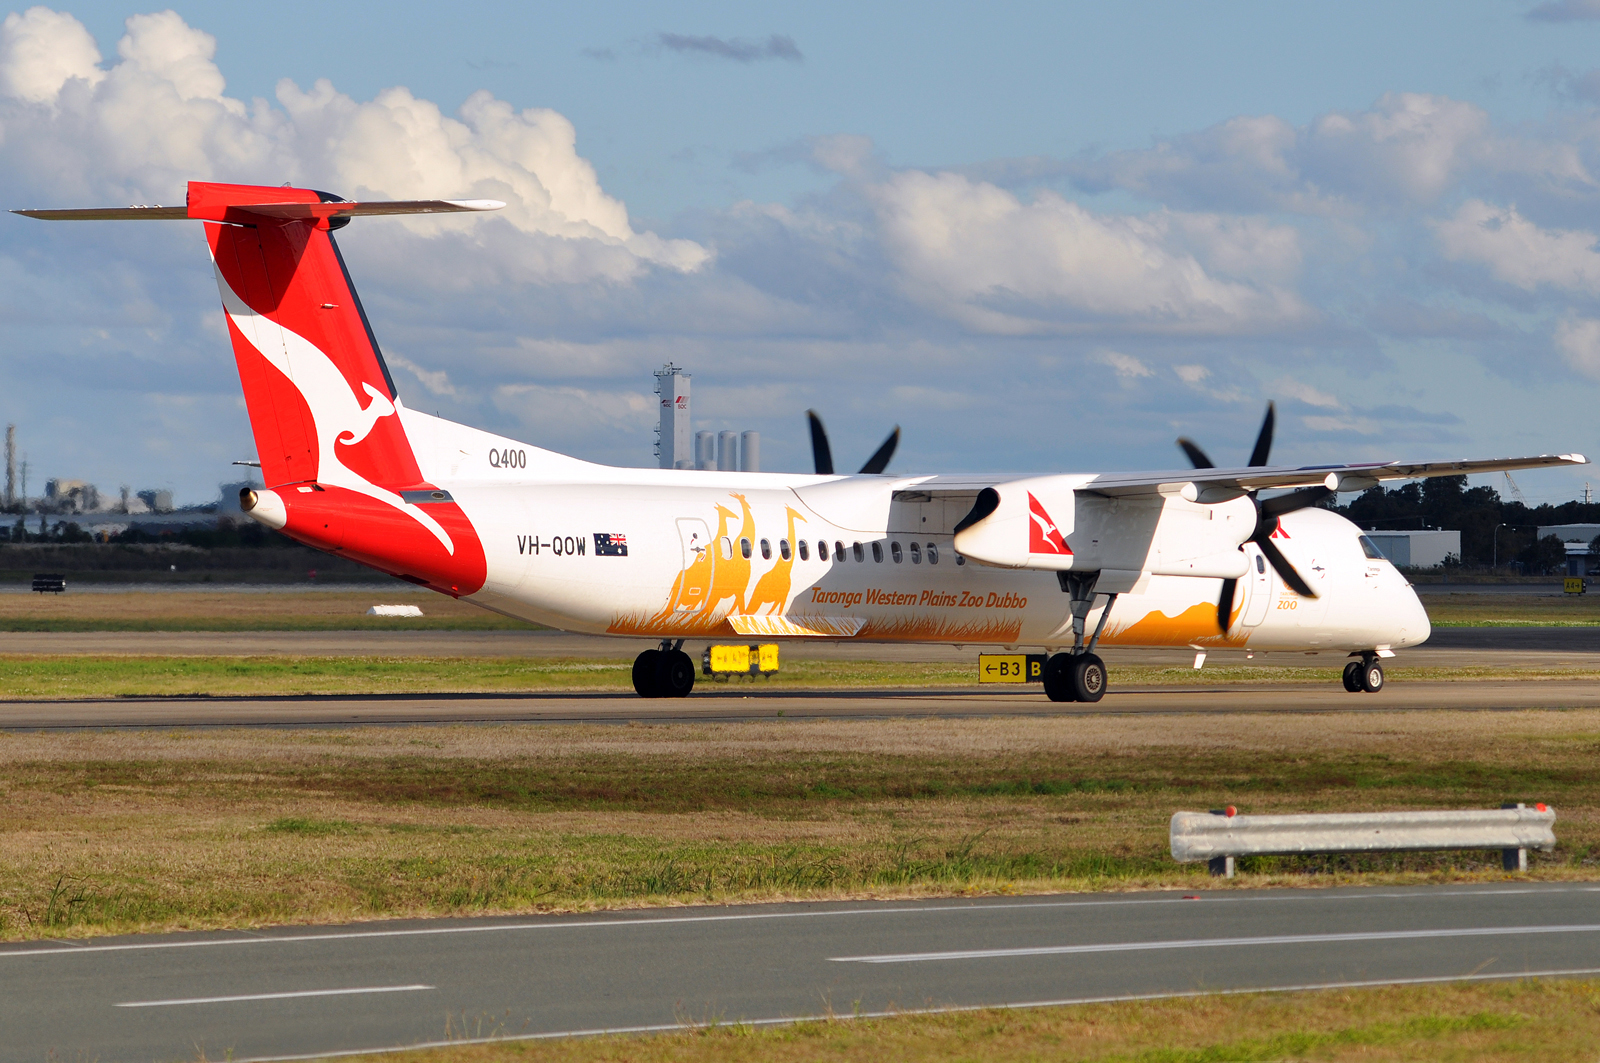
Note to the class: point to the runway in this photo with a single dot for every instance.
(1448, 647)
(752, 702)
(303, 991)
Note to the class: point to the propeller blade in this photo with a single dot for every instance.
(1285, 570)
(1273, 508)
(1197, 457)
(1263, 447)
(880, 459)
(821, 453)
(1225, 604)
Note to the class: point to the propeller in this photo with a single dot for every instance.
(1267, 514)
(822, 453)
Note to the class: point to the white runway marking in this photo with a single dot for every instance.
(273, 996)
(1217, 943)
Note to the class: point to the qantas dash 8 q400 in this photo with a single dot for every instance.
(1188, 558)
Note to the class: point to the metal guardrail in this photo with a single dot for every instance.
(1219, 837)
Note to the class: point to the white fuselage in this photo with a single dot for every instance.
(685, 554)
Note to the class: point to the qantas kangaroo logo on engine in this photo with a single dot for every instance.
(1043, 536)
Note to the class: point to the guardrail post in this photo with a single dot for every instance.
(1514, 859)
(1222, 865)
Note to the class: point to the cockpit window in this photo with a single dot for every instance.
(1370, 548)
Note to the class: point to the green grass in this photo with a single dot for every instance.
(29, 677)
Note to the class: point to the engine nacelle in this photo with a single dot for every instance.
(1044, 523)
(1022, 524)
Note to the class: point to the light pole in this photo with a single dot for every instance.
(1494, 563)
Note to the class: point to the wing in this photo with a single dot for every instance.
(280, 211)
(1357, 477)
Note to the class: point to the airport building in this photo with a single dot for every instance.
(1417, 549)
(1577, 537)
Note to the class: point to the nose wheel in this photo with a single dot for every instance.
(664, 673)
(1364, 676)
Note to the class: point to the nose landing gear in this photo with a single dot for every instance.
(1364, 676)
(664, 673)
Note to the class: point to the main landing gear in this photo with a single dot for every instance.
(1364, 676)
(664, 673)
(1081, 674)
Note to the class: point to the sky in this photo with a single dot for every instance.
(1039, 237)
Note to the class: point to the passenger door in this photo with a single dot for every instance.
(1260, 585)
(694, 582)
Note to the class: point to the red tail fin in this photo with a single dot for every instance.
(321, 400)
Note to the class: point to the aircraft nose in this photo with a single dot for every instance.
(1411, 619)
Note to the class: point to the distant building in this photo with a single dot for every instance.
(674, 443)
(158, 501)
(71, 496)
(1577, 538)
(1417, 549)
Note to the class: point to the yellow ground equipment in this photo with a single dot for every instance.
(721, 662)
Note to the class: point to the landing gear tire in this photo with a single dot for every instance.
(663, 674)
(644, 673)
(1058, 678)
(1352, 677)
(1372, 676)
(1088, 677)
(674, 674)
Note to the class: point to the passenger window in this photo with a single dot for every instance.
(916, 554)
(1370, 548)
(744, 548)
(933, 554)
(727, 548)
(1261, 565)
(822, 549)
(960, 560)
(877, 552)
(838, 550)
(855, 548)
(894, 552)
(805, 554)
(766, 550)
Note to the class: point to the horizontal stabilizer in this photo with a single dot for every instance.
(275, 211)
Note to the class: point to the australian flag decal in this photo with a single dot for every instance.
(612, 545)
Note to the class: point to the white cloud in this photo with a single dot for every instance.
(158, 117)
(1408, 148)
(436, 381)
(1519, 252)
(1125, 365)
(553, 413)
(1357, 425)
(996, 264)
(1578, 340)
(41, 50)
(1305, 393)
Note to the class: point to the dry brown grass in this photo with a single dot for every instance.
(125, 831)
(1551, 1022)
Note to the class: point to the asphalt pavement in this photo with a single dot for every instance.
(314, 990)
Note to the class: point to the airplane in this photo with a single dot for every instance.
(1192, 558)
